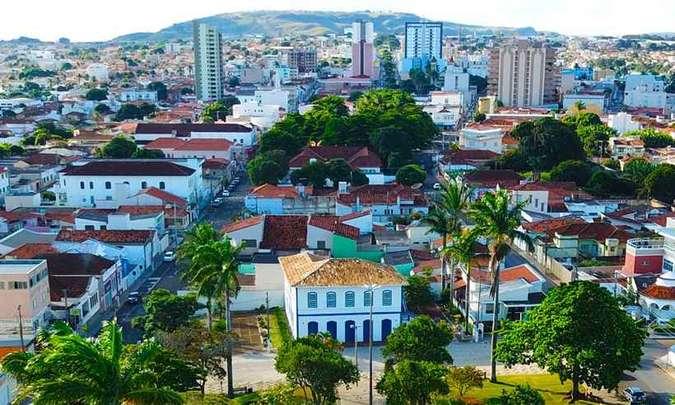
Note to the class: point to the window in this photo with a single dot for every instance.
(82, 185)
(386, 298)
(108, 186)
(144, 185)
(93, 301)
(2, 285)
(17, 285)
(489, 308)
(667, 265)
(162, 186)
(312, 300)
(331, 300)
(91, 185)
(89, 227)
(367, 298)
(252, 243)
(321, 244)
(349, 299)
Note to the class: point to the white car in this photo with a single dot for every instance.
(169, 256)
(437, 186)
(225, 193)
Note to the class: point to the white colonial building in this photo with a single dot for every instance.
(110, 183)
(330, 295)
(482, 137)
(239, 134)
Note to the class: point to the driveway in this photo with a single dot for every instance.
(658, 384)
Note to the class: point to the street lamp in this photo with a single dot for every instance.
(371, 289)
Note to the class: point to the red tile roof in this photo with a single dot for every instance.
(463, 156)
(73, 272)
(242, 224)
(140, 209)
(492, 178)
(186, 129)
(598, 231)
(356, 156)
(659, 292)
(205, 144)
(332, 223)
(506, 275)
(215, 163)
(382, 194)
(274, 191)
(354, 215)
(548, 224)
(165, 143)
(108, 236)
(15, 216)
(284, 232)
(130, 167)
(165, 196)
(31, 250)
(558, 191)
(662, 220)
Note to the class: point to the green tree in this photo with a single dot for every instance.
(102, 109)
(604, 183)
(462, 379)
(218, 110)
(497, 220)
(160, 88)
(411, 174)
(577, 171)
(581, 119)
(594, 138)
(147, 154)
(421, 339)
(637, 169)
(479, 116)
(463, 251)
(315, 364)
(120, 147)
(545, 142)
(578, 332)
(417, 292)
(213, 264)
(354, 95)
(358, 178)
(652, 138)
(134, 112)
(412, 382)
(166, 311)
(338, 170)
(262, 169)
(314, 173)
(660, 183)
(97, 94)
(70, 368)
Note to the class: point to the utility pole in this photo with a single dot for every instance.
(23, 347)
(65, 303)
(356, 346)
(267, 313)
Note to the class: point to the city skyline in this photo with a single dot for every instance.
(56, 21)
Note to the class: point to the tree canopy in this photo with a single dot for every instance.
(97, 94)
(314, 363)
(160, 88)
(421, 339)
(166, 311)
(135, 112)
(652, 138)
(120, 147)
(411, 174)
(660, 183)
(546, 142)
(412, 382)
(579, 332)
(577, 171)
(219, 110)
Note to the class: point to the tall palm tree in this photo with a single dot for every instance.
(453, 200)
(213, 271)
(72, 369)
(463, 250)
(439, 222)
(497, 221)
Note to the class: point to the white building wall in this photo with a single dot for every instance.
(316, 235)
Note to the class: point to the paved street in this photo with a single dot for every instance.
(656, 382)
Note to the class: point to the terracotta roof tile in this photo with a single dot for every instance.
(659, 292)
(186, 129)
(356, 156)
(165, 143)
(31, 251)
(382, 193)
(284, 232)
(548, 224)
(305, 269)
(108, 236)
(332, 223)
(522, 271)
(274, 191)
(73, 271)
(242, 224)
(492, 178)
(165, 196)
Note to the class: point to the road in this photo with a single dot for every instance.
(232, 206)
(652, 379)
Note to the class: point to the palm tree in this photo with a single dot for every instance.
(439, 222)
(498, 222)
(213, 270)
(452, 201)
(463, 251)
(72, 369)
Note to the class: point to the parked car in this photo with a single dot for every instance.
(134, 297)
(225, 193)
(217, 202)
(169, 256)
(635, 395)
(437, 186)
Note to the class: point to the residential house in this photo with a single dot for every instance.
(579, 240)
(547, 197)
(626, 146)
(658, 299)
(486, 180)
(481, 136)
(140, 247)
(384, 201)
(357, 157)
(24, 236)
(292, 200)
(193, 148)
(242, 135)
(82, 284)
(465, 160)
(329, 295)
(109, 183)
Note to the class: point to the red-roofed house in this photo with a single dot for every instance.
(466, 159)
(545, 197)
(357, 157)
(288, 200)
(659, 298)
(486, 180)
(586, 240)
(385, 201)
(193, 147)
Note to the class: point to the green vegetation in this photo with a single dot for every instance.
(135, 112)
(578, 171)
(652, 138)
(280, 332)
(412, 382)
(46, 132)
(545, 142)
(659, 183)
(122, 147)
(560, 336)
(165, 311)
(411, 174)
(421, 339)
(160, 88)
(33, 72)
(219, 110)
(97, 94)
(418, 294)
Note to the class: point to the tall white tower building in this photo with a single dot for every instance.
(208, 62)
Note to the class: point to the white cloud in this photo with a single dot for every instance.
(85, 20)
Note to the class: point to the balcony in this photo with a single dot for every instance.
(644, 247)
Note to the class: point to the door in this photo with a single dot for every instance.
(350, 331)
(386, 328)
(332, 329)
(312, 328)
(366, 330)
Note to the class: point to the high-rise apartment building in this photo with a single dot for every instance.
(523, 73)
(363, 35)
(208, 62)
(303, 59)
(423, 40)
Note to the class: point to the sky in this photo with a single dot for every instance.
(87, 20)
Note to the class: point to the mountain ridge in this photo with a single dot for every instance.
(294, 22)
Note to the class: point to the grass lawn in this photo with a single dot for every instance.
(279, 329)
(548, 385)
(195, 398)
